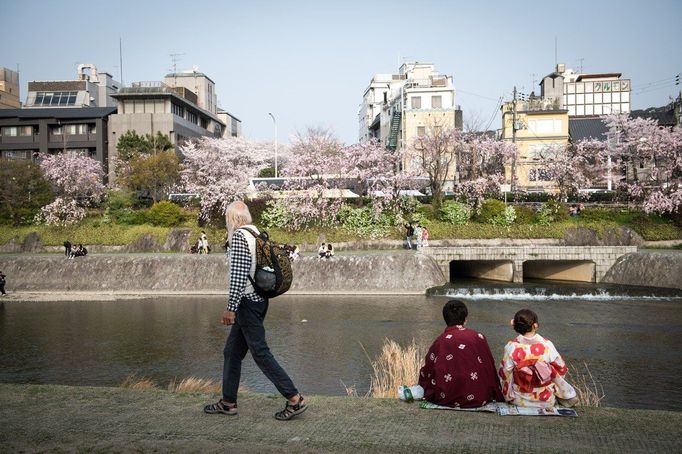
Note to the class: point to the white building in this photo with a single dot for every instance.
(587, 94)
(396, 108)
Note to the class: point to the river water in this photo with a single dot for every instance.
(631, 342)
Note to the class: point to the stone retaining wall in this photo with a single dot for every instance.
(654, 269)
(399, 273)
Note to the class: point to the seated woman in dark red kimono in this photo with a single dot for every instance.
(459, 370)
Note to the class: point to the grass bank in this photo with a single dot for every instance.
(62, 418)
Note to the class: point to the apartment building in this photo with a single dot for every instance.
(198, 83)
(540, 125)
(9, 89)
(90, 89)
(587, 94)
(26, 132)
(397, 108)
(233, 125)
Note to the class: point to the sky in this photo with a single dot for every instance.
(309, 62)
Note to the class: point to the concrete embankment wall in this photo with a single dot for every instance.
(652, 269)
(361, 274)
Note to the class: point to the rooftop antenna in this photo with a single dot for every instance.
(533, 78)
(580, 65)
(556, 52)
(174, 61)
(120, 59)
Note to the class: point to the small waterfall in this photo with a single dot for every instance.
(552, 291)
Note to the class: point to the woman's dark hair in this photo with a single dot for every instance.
(455, 312)
(329, 246)
(524, 320)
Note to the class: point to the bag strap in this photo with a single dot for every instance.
(255, 235)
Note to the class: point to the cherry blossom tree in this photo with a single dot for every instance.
(74, 177)
(650, 157)
(480, 166)
(435, 155)
(574, 167)
(219, 170)
(60, 212)
(313, 170)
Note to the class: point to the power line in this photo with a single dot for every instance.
(459, 90)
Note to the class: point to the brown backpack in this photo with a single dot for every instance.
(273, 275)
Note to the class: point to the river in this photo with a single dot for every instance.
(631, 343)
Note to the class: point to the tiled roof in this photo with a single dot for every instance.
(665, 116)
(586, 128)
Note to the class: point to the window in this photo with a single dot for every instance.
(178, 110)
(93, 129)
(56, 98)
(421, 131)
(436, 102)
(538, 175)
(17, 131)
(416, 102)
(74, 130)
(204, 123)
(192, 117)
(549, 126)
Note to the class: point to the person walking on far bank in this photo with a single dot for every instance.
(203, 243)
(67, 248)
(2, 283)
(245, 313)
(409, 233)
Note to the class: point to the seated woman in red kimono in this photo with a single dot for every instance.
(532, 370)
(459, 370)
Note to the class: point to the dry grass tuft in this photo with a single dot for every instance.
(194, 384)
(395, 366)
(132, 381)
(589, 393)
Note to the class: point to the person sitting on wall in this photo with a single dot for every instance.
(532, 370)
(322, 251)
(329, 253)
(459, 370)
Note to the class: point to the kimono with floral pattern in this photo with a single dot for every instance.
(459, 370)
(516, 372)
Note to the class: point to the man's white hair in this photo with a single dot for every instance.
(237, 214)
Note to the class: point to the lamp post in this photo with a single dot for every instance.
(275, 122)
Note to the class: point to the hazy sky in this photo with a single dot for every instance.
(309, 62)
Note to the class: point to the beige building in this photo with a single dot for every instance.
(540, 126)
(198, 83)
(397, 108)
(9, 89)
(153, 107)
(233, 125)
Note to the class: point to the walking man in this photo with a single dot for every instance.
(67, 248)
(245, 313)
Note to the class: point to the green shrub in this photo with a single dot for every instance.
(490, 209)
(363, 222)
(276, 215)
(552, 211)
(455, 213)
(129, 216)
(165, 214)
(525, 215)
(120, 199)
(506, 218)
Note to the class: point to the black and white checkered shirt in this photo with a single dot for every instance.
(240, 268)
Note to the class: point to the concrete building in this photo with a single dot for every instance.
(90, 89)
(540, 125)
(198, 83)
(233, 125)
(9, 89)
(152, 107)
(587, 94)
(397, 108)
(26, 132)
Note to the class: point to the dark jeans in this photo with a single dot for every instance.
(248, 334)
(2, 288)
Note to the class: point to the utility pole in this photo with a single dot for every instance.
(513, 169)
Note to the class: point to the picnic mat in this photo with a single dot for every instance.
(506, 409)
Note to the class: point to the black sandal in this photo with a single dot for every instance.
(291, 410)
(221, 408)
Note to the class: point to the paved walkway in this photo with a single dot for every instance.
(59, 418)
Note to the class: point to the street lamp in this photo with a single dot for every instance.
(275, 122)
